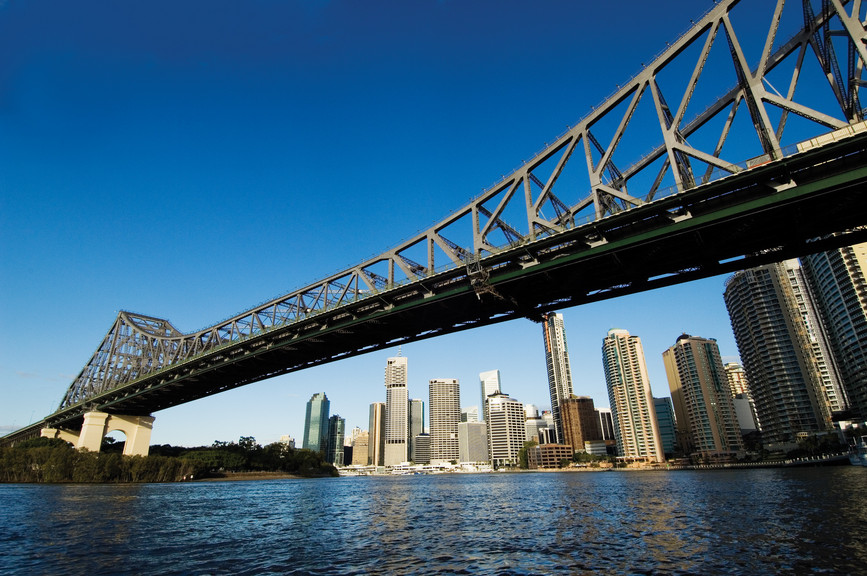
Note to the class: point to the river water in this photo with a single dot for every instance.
(763, 521)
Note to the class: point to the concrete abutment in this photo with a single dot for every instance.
(97, 424)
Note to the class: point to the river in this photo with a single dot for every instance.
(761, 521)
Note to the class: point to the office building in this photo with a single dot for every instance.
(532, 426)
(445, 415)
(360, 446)
(490, 384)
(473, 442)
(548, 417)
(549, 456)
(559, 372)
(470, 414)
(547, 436)
(316, 423)
(666, 423)
(706, 422)
(416, 420)
(580, 423)
(421, 449)
(776, 354)
(350, 438)
(376, 431)
(838, 281)
(336, 430)
(396, 412)
(505, 428)
(635, 426)
(745, 413)
(596, 447)
(606, 423)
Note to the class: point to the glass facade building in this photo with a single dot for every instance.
(316, 423)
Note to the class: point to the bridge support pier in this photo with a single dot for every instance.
(97, 424)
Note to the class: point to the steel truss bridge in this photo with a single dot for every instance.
(587, 218)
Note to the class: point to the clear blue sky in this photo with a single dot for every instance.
(189, 160)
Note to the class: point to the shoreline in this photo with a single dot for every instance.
(241, 476)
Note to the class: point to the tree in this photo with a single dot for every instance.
(248, 443)
(523, 454)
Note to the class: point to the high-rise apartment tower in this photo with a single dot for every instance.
(838, 280)
(635, 425)
(776, 353)
(559, 373)
(706, 420)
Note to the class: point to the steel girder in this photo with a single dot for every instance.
(137, 345)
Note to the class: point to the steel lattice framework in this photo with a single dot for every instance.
(537, 201)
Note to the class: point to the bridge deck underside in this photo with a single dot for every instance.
(742, 221)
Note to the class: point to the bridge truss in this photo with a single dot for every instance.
(581, 193)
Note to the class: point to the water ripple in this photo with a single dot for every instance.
(660, 523)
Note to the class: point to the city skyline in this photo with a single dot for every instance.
(541, 395)
(175, 176)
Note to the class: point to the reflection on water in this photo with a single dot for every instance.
(732, 522)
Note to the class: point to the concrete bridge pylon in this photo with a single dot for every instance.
(98, 424)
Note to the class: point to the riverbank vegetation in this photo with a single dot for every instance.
(52, 460)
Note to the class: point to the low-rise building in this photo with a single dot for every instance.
(548, 455)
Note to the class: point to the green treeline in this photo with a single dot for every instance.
(53, 460)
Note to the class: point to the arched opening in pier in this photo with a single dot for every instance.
(114, 442)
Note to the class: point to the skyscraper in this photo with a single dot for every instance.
(665, 421)
(445, 415)
(316, 423)
(776, 353)
(336, 430)
(829, 376)
(532, 426)
(737, 379)
(632, 410)
(396, 412)
(742, 401)
(706, 420)
(473, 442)
(416, 421)
(505, 428)
(421, 449)
(360, 446)
(490, 384)
(559, 373)
(838, 280)
(376, 429)
(470, 414)
(606, 423)
(580, 423)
